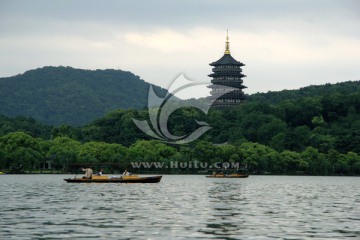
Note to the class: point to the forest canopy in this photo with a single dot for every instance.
(317, 134)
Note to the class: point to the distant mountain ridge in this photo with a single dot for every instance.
(65, 95)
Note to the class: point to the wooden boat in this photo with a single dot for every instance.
(233, 175)
(124, 179)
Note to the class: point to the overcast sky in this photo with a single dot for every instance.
(284, 44)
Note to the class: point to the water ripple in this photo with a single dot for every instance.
(180, 207)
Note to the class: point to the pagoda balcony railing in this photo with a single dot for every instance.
(227, 78)
(231, 72)
(232, 87)
(216, 69)
(225, 101)
(225, 89)
(222, 95)
(234, 93)
(227, 82)
(227, 85)
(239, 96)
(227, 74)
(240, 64)
(227, 66)
(226, 92)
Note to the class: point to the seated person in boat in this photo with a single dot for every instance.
(100, 172)
(88, 173)
(126, 173)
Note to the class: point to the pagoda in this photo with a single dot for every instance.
(227, 83)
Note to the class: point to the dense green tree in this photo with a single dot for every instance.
(63, 151)
(115, 127)
(66, 131)
(317, 163)
(267, 131)
(258, 158)
(292, 162)
(205, 152)
(150, 151)
(188, 117)
(24, 124)
(2, 159)
(236, 136)
(101, 152)
(228, 153)
(297, 139)
(356, 168)
(20, 151)
(301, 112)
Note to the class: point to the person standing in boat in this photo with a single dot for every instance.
(88, 173)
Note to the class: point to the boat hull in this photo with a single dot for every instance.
(153, 179)
(229, 176)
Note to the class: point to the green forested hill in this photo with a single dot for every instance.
(309, 91)
(64, 95)
(317, 134)
(57, 95)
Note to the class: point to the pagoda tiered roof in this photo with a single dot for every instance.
(227, 59)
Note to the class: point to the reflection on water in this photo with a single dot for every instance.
(180, 207)
(225, 200)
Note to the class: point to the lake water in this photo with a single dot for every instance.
(180, 207)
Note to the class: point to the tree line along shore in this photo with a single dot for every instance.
(311, 135)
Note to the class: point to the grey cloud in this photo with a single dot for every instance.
(22, 22)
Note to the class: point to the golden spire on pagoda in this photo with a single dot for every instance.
(227, 47)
